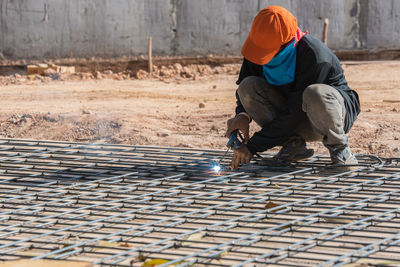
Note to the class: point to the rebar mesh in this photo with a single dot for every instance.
(128, 205)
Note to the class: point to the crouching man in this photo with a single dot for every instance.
(293, 86)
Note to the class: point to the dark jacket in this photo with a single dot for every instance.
(315, 63)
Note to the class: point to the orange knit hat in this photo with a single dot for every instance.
(272, 27)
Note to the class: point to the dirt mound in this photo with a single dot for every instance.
(193, 71)
(175, 72)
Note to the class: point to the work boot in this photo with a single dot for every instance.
(341, 155)
(294, 149)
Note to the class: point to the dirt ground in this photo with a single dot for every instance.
(185, 106)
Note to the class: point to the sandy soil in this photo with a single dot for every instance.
(181, 106)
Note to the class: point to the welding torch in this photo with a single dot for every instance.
(235, 141)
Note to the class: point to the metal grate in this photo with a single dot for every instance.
(136, 205)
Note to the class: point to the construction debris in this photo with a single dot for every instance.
(43, 69)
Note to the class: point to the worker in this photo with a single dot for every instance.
(293, 86)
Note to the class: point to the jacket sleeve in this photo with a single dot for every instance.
(248, 69)
(285, 124)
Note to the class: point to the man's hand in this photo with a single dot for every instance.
(242, 155)
(240, 122)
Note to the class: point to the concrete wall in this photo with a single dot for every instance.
(380, 24)
(107, 28)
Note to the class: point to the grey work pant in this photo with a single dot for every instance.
(323, 104)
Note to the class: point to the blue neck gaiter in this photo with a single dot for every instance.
(281, 69)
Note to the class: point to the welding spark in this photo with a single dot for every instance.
(217, 168)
